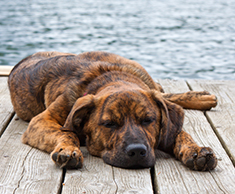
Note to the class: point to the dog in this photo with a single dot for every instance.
(108, 103)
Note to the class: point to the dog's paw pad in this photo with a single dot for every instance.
(204, 160)
(68, 157)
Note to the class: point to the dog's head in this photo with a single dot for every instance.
(125, 127)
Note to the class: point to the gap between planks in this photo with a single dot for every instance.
(222, 118)
(171, 175)
(223, 143)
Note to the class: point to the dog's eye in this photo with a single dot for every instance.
(110, 124)
(147, 121)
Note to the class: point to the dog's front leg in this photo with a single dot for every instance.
(192, 155)
(46, 133)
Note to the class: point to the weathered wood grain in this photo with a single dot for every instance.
(6, 109)
(94, 177)
(133, 181)
(223, 117)
(98, 177)
(171, 175)
(24, 169)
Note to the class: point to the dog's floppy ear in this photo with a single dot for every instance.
(172, 118)
(79, 113)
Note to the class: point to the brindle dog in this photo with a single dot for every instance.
(108, 102)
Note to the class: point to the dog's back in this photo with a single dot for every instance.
(32, 77)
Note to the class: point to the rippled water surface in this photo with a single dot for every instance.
(172, 38)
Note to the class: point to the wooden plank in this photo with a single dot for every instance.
(98, 177)
(6, 108)
(24, 169)
(5, 70)
(223, 118)
(171, 175)
(133, 181)
(94, 177)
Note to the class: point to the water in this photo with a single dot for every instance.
(175, 39)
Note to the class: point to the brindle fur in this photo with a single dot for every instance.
(108, 101)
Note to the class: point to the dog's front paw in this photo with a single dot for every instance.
(202, 159)
(67, 156)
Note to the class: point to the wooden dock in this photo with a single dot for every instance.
(27, 170)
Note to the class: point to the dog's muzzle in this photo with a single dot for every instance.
(133, 156)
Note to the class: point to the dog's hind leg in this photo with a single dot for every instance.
(193, 100)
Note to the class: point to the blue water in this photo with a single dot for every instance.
(175, 39)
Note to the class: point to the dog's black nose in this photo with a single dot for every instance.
(136, 151)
